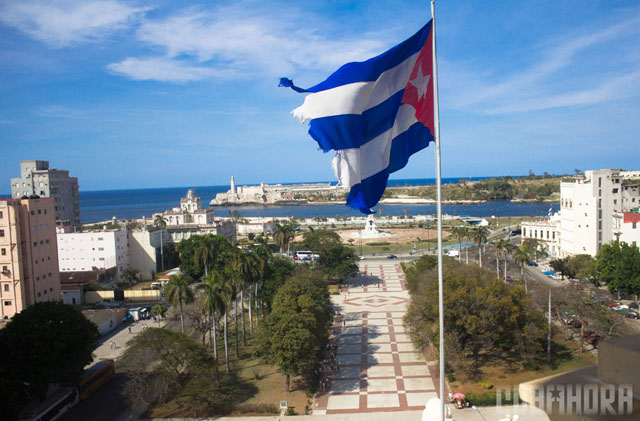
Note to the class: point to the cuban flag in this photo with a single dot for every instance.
(375, 114)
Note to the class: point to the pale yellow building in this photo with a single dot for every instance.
(28, 254)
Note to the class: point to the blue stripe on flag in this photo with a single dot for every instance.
(354, 130)
(370, 70)
(366, 194)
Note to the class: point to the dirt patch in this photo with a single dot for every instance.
(396, 235)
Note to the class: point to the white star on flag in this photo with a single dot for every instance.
(421, 83)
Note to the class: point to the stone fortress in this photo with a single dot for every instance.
(277, 194)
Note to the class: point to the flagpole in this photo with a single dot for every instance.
(436, 124)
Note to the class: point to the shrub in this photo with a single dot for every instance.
(485, 385)
(258, 408)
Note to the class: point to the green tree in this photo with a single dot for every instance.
(480, 235)
(336, 260)
(521, 257)
(159, 221)
(459, 233)
(618, 266)
(583, 266)
(295, 333)
(159, 310)
(190, 248)
(48, 342)
(214, 295)
(482, 314)
(178, 292)
(504, 246)
(159, 362)
(562, 267)
(283, 234)
(130, 275)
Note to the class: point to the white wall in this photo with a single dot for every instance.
(80, 252)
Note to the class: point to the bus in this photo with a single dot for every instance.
(97, 375)
(51, 408)
(305, 255)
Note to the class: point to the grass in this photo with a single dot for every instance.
(507, 372)
(252, 388)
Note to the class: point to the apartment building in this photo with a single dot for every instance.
(36, 178)
(28, 254)
(626, 227)
(93, 250)
(546, 231)
(588, 203)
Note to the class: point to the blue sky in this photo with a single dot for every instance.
(135, 94)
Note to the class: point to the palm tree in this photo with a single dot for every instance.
(130, 275)
(214, 293)
(160, 222)
(178, 292)
(244, 268)
(480, 235)
(504, 246)
(204, 256)
(460, 233)
(521, 257)
(283, 234)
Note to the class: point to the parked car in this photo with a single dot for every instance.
(392, 256)
(533, 264)
(575, 323)
(509, 279)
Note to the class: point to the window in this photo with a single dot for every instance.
(6, 287)
(7, 303)
(615, 190)
(38, 295)
(1, 233)
(46, 241)
(39, 212)
(33, 212)
(4, 251)
(633, 226)
(1, 214)
(35, 244)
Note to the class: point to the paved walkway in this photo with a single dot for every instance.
(379, 368)
(381, 376)
(120, 336)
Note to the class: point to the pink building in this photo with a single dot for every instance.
(28, 254)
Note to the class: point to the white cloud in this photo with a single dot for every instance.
(233, 42)
(66, 22)
(164, 69)
(537, 87)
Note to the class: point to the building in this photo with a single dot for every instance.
(546, 232)
(191, 219)
(145, 253)
(626, 227)
(36, 178)
(276, 194)
(28, 254)
(94, 250)
(588, 203)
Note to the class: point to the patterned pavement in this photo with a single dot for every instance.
(379, 369)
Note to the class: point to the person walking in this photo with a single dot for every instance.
(130, 332)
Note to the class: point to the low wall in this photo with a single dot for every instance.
(93, 297)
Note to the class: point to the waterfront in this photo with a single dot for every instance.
(129, 204)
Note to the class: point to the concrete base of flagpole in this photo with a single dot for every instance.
(433, 411)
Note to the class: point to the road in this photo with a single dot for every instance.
(107, 404)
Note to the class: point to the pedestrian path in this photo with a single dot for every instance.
(379, 370)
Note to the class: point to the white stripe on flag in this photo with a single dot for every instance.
(351, 166)
(355, 98)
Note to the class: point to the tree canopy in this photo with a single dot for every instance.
(202, 253)
(618, 266)
(159, 362)
(482, 314)
(296, 331)
(336, 260)
(49, 342)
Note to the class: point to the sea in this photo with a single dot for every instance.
(97, 206)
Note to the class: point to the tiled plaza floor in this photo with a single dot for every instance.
(379, 369)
